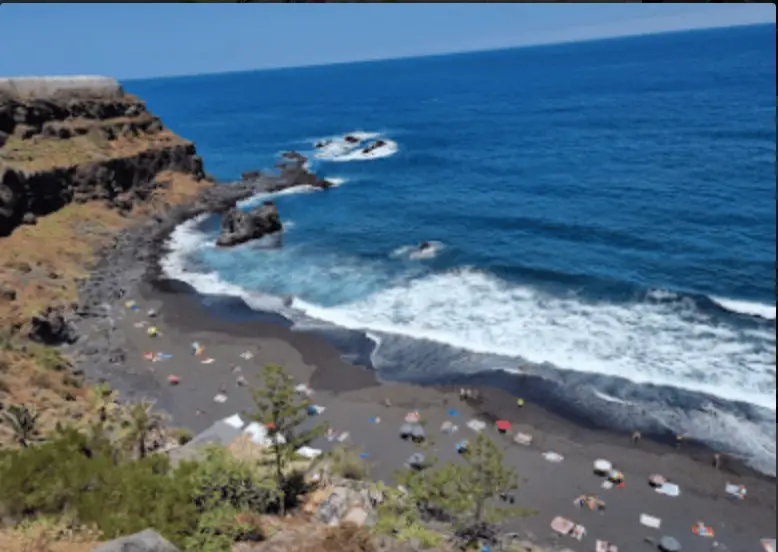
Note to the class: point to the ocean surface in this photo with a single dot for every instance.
(602, 221)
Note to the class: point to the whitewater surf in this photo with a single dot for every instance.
(660, 360)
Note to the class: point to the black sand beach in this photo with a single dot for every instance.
(114, 343)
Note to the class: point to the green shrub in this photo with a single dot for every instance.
(77, 475)
(345, 462)
(80, 476)
(181, 435)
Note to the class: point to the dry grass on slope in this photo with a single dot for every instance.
(40, 265)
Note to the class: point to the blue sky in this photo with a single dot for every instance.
(145, 40)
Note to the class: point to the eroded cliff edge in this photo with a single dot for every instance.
(67, 144)
(81, 160)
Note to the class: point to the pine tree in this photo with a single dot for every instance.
(472, 487)
(282, 411)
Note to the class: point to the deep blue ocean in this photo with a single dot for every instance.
(602, 218)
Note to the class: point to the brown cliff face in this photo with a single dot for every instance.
(71, 147)
(77, 166)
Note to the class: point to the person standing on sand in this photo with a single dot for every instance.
(636, 437)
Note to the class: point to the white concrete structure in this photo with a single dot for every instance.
(42, 87)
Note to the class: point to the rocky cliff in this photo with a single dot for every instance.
(64, 141)
(80, 162)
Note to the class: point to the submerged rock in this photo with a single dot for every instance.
(375, 145)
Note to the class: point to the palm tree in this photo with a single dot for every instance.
(23, 422)
(141, 423)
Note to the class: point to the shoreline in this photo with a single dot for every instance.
(146, 244)
(541, 410)
(113, 343)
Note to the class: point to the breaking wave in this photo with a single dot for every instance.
(354, 146)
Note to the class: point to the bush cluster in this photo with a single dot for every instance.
(81, 477)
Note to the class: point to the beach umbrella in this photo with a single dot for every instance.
(669, 544)
(406, 430)
(601, 466)
(418, 433)
(416, 461)
(503, 425)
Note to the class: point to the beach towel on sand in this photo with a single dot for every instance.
(476, 425)
(561, 525)
(650, 521)
(702, 530)
(736, 491)
(669, 489)
(523, 439)
(579, 532)
(605, 546)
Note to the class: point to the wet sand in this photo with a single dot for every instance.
(352, 396)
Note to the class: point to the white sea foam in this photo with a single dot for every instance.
(610, 399)
(670, 344)
(661, 341)
(259, 198)
(750, 441)
(186, 239)
(336, 181)
(413, 252)
(662, 344)
(747, 307)
(338, 149)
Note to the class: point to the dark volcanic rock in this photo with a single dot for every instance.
(351, 139)
(239, 226)
(52, 327)
(37, 186)
(375, 145)
(250, 175)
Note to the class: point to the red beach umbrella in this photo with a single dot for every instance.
(503, 425)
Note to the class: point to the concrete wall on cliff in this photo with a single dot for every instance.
(50, 87)
(79, 139)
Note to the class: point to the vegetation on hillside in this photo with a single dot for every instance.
(103, 475)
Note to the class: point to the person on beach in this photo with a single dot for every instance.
(717, 460)
(679, 440)
(636, 437)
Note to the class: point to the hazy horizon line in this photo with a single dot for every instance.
(447, 53)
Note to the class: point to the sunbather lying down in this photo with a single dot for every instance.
(591, 502)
